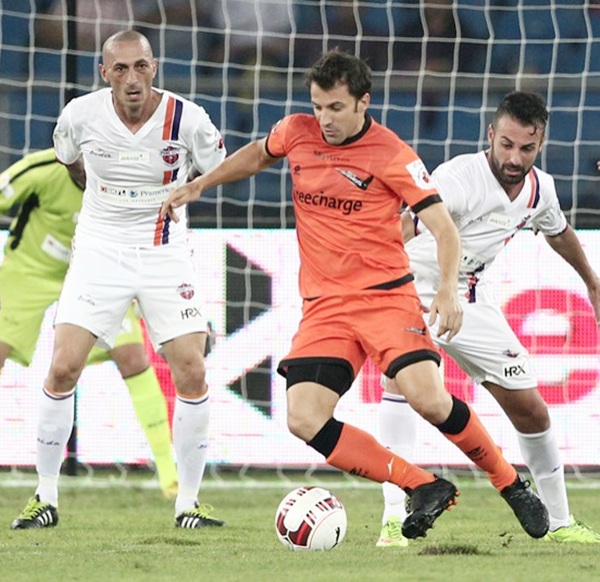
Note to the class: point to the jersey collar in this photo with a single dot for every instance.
(368, 122)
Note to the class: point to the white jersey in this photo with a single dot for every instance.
(485, 217)
(128, 175)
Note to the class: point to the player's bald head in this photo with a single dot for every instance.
(125, 36)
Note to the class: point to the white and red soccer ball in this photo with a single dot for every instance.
(310, 518)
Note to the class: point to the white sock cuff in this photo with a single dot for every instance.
(535, 435)
(193, 401)
(389, 397)
(62, 396)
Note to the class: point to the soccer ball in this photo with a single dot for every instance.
(310, 518)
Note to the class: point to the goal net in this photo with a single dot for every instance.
(440, 67)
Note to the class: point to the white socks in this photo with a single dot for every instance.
(190, 439)
(397, 431)
(55, 423)
(540, 453)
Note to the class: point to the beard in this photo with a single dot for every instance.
(512, 178)
(501, 171)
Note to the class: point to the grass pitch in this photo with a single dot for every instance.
(126, 533)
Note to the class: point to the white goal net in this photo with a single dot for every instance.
(440, 68)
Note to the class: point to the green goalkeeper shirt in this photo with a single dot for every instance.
(48, 203)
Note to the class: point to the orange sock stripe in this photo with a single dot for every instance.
(358, 453)
(475, 442)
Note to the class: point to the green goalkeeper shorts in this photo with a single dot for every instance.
(24, 299)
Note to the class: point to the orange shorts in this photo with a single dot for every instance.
(386, 325)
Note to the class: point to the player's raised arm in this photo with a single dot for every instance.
(567, 245)
(445, 303)
(247, 161)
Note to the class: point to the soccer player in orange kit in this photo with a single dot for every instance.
(351, 176)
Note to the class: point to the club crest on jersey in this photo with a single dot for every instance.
(170, 155)
(419, 174)
(186, 290)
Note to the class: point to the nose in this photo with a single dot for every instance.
(131, 77)
(324, 118)
(515, 158)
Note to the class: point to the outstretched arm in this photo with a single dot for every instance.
(247, 161)
(567, 245)
(445, 304)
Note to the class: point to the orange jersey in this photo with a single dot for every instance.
(347, 200)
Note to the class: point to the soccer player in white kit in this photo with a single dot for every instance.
(491, 195)
(132, 144)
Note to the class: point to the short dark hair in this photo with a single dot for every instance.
(336, 67)
(526, 108)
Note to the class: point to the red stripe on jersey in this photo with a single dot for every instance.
(158, 231)
(167, 176)
(168, 119)
(532, 202)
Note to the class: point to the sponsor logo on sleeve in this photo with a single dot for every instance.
(420, 175)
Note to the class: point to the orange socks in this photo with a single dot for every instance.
(358, 453)
(475, 442)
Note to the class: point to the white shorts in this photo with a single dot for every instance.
(103, 279)
(487, 349)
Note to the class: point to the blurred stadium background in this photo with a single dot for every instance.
(440, 68)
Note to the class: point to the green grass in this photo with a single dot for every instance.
(127, 533)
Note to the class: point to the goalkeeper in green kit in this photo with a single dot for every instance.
(36, 259)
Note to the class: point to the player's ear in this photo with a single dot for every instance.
(363, 102)
(102, 72)
(154, 67)
(490, 133)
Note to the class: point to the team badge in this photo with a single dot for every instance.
(186, 290)
(419, 174)
(219, 140)
(170, 155)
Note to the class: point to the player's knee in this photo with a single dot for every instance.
(130, 359)
(190, 378)
(533, 418)
(63, 376)
(298, 427)
(302, 424)
(309, 407)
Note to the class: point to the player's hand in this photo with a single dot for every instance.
(185, 194)
(594, 297)
(446, 306)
